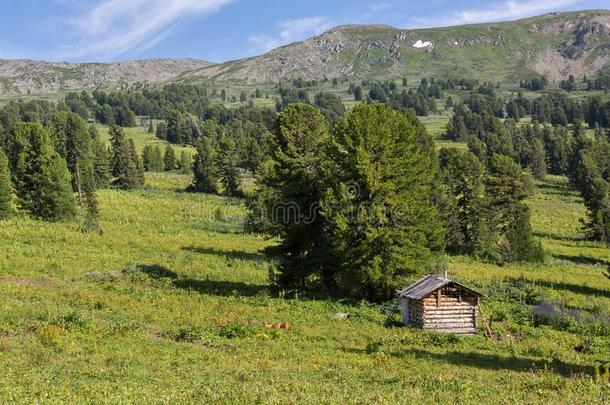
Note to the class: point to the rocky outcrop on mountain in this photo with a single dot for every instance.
(33, 77)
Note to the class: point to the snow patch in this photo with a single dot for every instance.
(421, 44)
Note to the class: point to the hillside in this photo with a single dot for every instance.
(558, 44)
(27, 76)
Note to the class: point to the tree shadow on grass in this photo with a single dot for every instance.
(227, 254)
(586, 260)
(498, 362)
(220, 288)
(555, 236)
(157, 271)
(575, 288)
(209, 287)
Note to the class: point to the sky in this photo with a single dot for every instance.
(222, 30)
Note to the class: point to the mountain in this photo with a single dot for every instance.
(556, 44)
(27, 76)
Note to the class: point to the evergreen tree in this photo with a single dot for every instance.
(358, 93)
(205, 170)
(127, 168)
(228, 167)
(137, 161)
(94, 133)
(462, 174)
(101, 165)
(519, 245)
(383, 226)
(156, 160)
(509, 217)
(6, 189)
(186, 163)
(169, 158)
(597, 201)
(42, 177)
(162, 130)
(147, 153)
(538, 159)
(289, 190)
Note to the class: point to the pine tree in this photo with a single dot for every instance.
(186, 163)
(6, 189)
(127, 168)
(137, 162)
(101, 165)
(462, 174)
(205, 171)
(42, 178)
(538, 159)
(597, 200)
(287, 200)
(147, 153)
(169, 158)
(156, 160)
(94, 133)
(383, 226)
(507, 187)
(228, 167)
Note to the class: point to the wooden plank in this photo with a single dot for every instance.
(448, 313)
(450, 322)
(449, 318)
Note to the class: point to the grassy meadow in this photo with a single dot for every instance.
(168, 305)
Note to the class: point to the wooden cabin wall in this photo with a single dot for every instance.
(415, 311)
(453, 310)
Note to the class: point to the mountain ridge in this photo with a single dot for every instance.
(556, 44)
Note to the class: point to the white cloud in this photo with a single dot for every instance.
(506, 10)
(290, 31)
(114, 27)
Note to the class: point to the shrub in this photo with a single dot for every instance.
(189, 333)
(235, 330)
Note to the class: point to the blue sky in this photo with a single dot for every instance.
(221, 30)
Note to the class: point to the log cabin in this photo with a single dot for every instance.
(442, 305)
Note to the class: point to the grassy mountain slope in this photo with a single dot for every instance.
(557, 44)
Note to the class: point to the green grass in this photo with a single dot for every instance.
(142, 138)
(168, 304)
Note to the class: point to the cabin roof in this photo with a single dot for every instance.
(428, 285)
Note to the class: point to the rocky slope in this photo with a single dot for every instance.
(557, 44)
(27, 76)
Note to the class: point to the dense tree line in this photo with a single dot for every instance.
(55, 162)
(354, 212)
(359, 210)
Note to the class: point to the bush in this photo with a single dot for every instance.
(234, 331)
(189, 333)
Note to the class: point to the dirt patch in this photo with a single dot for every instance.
(29, 282)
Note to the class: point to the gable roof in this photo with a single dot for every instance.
(428, 285)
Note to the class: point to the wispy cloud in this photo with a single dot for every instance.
(114, 27)
(290, 31)
(506, 10)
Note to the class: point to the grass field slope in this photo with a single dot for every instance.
(169, 302)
